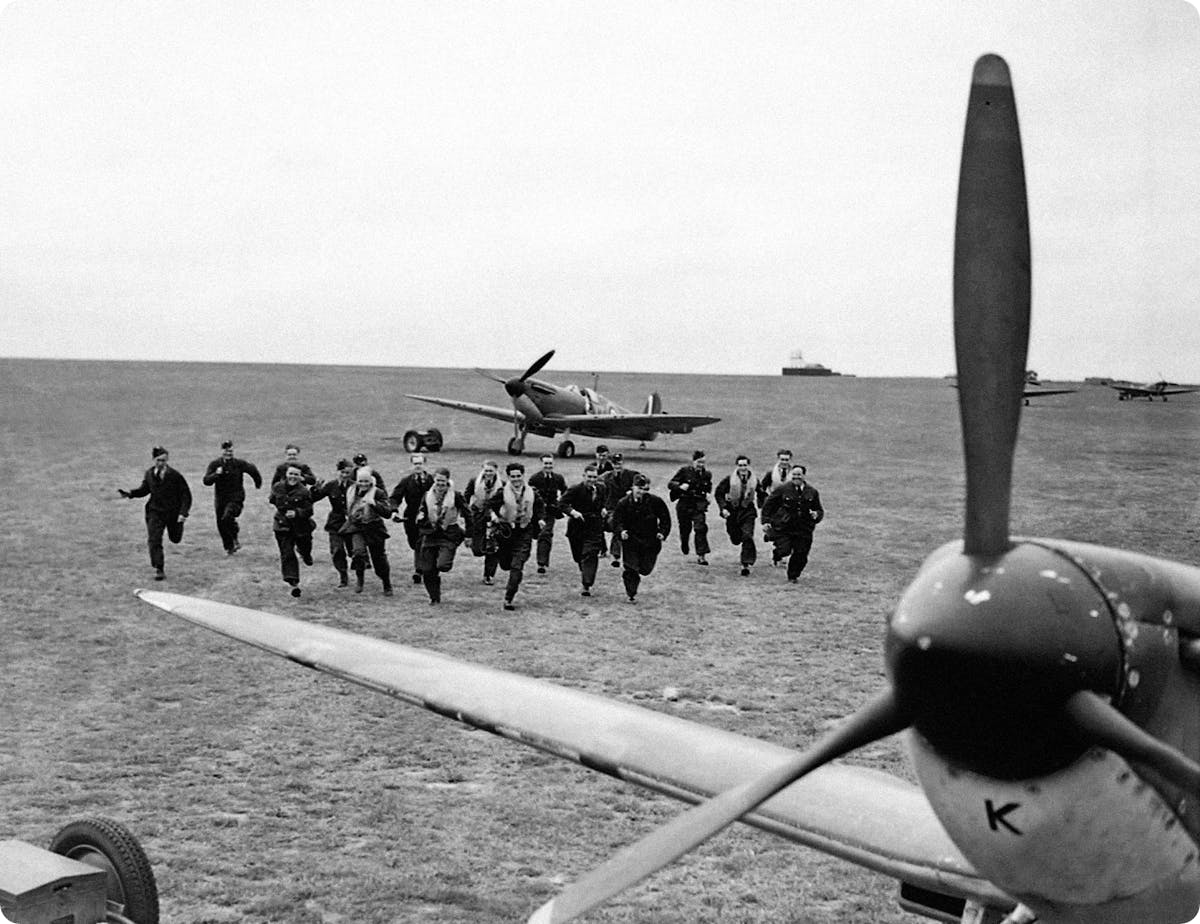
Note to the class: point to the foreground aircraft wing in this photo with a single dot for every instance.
(509, 414)
(616, 423)
(861, 815)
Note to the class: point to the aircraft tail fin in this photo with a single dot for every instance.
(653, 403)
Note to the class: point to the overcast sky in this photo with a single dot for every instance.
(689, 186)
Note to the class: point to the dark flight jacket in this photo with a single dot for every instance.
(169, 495)
(297, 497)
(229, 485)
(792, 509)
(644, 519)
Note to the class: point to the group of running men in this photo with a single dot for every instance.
(503, 519)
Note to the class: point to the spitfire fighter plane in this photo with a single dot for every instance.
(546, 409)
(1127, 391)
(1049, 689)
(1033, 388)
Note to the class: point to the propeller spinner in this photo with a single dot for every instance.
(516, 386)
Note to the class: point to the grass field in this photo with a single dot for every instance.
(266, 793)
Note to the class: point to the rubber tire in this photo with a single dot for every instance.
(110, 846)
(412, 441)
(516, 446)
(433, 440)
(566, 449)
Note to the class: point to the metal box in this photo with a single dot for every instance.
(40, 887)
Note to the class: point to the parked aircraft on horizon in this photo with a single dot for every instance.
(1050, 689)
(1040, 392)
(545, 409)
(1127, 391)
(1033, 387)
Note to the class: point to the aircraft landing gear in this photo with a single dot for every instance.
(516, 445)
(566, 449)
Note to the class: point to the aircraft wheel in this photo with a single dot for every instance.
(566, 449)
(412, 441)
(433, 440)
(516, 446)
(110, 846)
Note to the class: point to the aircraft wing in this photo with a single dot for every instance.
(1046, 392)
(509, 414)
(1176, 391)
(861, 815)
(619, 423)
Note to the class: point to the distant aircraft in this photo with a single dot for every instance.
(546, 409)
(1127, 391)
(1033, 387)
(1040, 392)
(1050, 689)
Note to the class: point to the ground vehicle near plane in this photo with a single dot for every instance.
(1050, 689)
(423, 440)
(94, 871)
(546, 409)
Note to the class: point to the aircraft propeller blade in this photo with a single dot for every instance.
(489, 375)
(991, 302)
(537, 365)
(1098, 722)
(874, 720)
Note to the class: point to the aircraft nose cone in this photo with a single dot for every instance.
(984, 650)
(515, 387)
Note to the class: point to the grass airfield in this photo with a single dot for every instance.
(266, 793)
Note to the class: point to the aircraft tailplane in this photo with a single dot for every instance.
(653, 403)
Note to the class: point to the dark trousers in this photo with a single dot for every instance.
(739, 526)
(585, 550)
(545, 541)
(363, 550)
(479, 543)
(228, 512)
(692, 521)
(514, 552)
(639, 562)
(797, 546)
(156, 523)
(337, 554)
(289, 544)
(435, 558)
(413, 535)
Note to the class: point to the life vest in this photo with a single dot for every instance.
(517, 510)
(481, 493)
(444, 514)
(361, 508)
(741, 494)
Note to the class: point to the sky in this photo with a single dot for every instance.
(691, 186)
